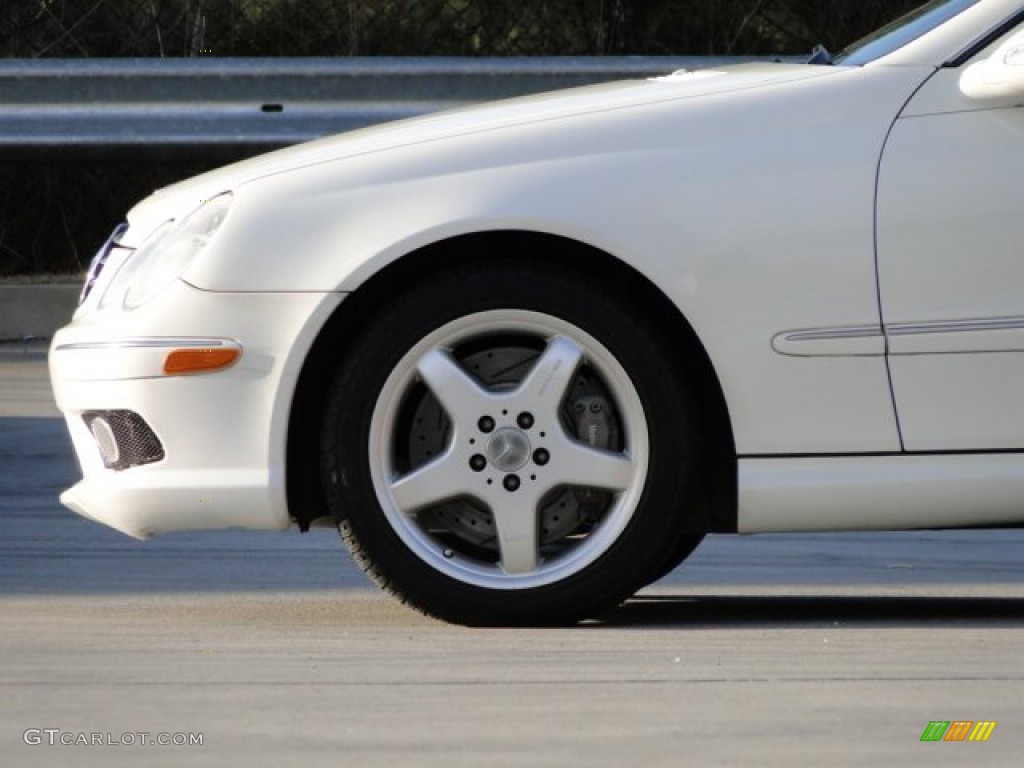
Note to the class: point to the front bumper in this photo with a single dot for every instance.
(222, 434)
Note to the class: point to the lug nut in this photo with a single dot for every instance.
(525, 420)
(477, 462)
(541, 457)
(511, 482)
(595, 407)
(486, 424)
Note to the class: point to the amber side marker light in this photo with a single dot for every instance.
(200, 360)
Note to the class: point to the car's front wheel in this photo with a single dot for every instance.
(510, 444)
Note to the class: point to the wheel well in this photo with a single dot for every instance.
(304, 493)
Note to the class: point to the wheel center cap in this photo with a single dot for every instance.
(508, 449)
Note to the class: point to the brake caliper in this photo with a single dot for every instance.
(596, 426)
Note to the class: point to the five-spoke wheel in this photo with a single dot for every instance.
(501, 390)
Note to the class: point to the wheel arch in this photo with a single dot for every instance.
(304, 493)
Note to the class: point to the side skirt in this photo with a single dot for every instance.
(892, 492)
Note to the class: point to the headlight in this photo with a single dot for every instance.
(165, 254)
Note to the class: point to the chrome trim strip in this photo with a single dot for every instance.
(958, 337)
(957, 326)
(852, 332)
(147, 343)
(843, 341)
(994, 334)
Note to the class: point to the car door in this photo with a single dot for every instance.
(950, 240)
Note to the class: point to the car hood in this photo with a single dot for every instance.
(178, 199)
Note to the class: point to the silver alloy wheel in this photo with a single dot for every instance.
(508, 466)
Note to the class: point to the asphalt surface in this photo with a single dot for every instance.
(827, 650)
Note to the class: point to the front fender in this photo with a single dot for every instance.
(753, 214)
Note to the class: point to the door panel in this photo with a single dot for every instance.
(951, 270)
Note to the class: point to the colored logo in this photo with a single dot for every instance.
(958, 730)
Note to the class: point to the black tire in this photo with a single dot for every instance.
(458, 559)
(685, 547)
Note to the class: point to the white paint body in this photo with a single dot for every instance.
(820, 228)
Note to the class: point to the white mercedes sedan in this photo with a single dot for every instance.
(525, 355)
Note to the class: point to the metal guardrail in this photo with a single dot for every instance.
(122, 103)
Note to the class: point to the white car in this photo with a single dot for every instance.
(525, 355)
